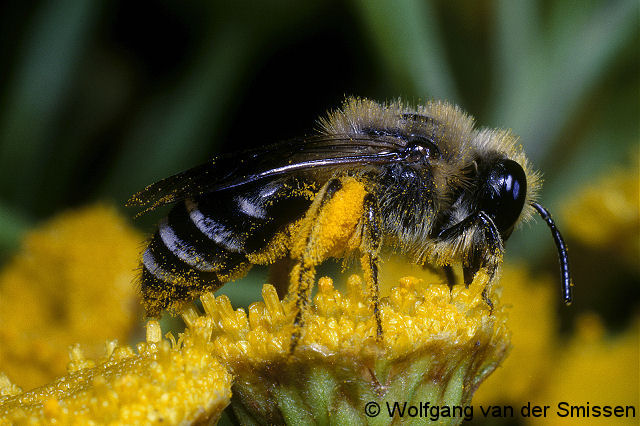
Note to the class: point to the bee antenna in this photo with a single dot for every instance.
(566, 283)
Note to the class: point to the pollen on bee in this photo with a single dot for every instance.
(337, 222)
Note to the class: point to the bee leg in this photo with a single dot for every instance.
(449, 275)
(476, 262)
(306, 274)
(370, 246)
(445, 271)
(303, 274)
(485, 252)
(471, 269)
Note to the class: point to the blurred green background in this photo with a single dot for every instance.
(100, 98)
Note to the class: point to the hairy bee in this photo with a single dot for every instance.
(421, 181)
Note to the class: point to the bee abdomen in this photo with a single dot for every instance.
(167, 263)
(196, 245)
(158, 294)
(183, 249)
(182, 260)
(204, 242)
(214, 229)
(166, 278)
(246, 221)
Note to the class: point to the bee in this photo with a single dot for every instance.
(422, 181)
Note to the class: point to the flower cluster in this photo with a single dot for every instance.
(71, 283)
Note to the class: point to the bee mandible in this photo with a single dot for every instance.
(419, 181)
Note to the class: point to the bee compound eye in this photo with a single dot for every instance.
(504, 194)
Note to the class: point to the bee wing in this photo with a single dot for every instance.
(232, 170)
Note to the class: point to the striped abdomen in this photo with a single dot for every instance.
(204, 242)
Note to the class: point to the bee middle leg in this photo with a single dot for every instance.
(446, 271)
(449, 275)
(370, 246)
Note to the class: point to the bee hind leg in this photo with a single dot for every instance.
(303, 273)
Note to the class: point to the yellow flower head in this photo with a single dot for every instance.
(599, 369)
(438, 345)
(164, 382)
(606, 215)
(70, 283)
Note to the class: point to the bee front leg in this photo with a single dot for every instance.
(486, 249)
(303, 273)
(370, 246)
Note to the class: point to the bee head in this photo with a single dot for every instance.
(503, 193)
